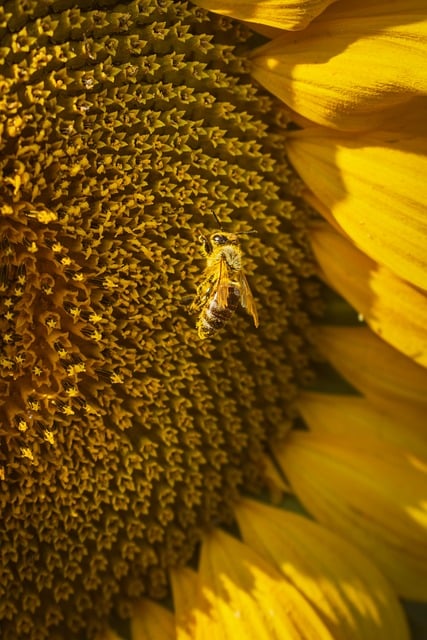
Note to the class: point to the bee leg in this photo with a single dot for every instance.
(206, 245)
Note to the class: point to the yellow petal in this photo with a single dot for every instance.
(372, 366)
(349, 592)
(369, 493)
(375, 188)
(184, 588)
(391, 382)
(391, 307)
(356, 59)
(151, 621)
(341, 415)
(243, 596)
(276, 485)
(290, 14)
(263, 29)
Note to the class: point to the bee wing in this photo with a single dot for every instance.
(215, 284)
(221, 285)
(247, 300)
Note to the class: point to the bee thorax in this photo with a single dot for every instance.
(232, 258)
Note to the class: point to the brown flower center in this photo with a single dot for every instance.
(122, 433)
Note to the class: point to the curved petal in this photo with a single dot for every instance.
(357, 59)
(349, 592)
(184, 584)
(391, 307)
(372, 366)
(151, 621)
(289, 14)
(391, 382)
(243, 596)
(275, 483)
(340, 415)
(370, 493)
(375, 188)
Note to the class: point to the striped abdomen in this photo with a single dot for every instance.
(213, 316)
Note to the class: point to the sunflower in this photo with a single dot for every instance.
(262, 483)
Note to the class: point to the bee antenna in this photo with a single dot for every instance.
(239, 233)
(217, 220)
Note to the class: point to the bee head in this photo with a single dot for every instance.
(220, 238)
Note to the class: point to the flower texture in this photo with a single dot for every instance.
(136, 460)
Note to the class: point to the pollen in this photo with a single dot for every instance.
(123, 126)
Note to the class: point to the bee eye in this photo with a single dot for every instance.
(219, 239)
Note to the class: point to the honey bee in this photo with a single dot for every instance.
(224, 284)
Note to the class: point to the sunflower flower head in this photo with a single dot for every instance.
(123, 436)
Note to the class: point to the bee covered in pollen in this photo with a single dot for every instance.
(224, 284)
